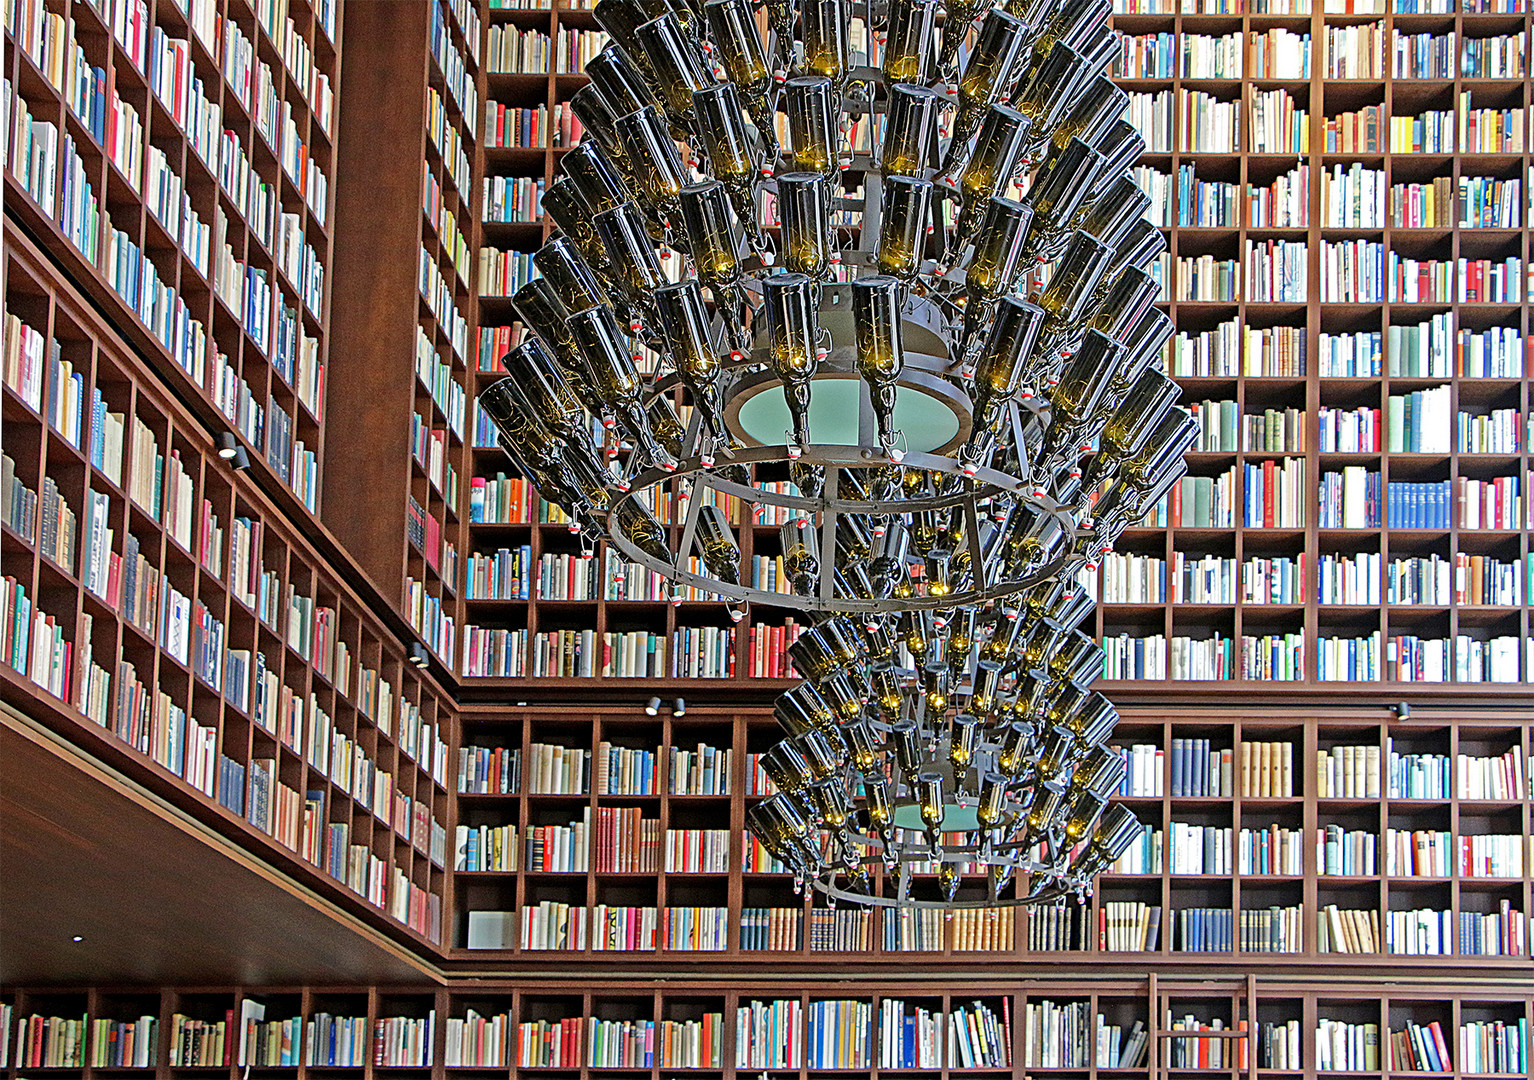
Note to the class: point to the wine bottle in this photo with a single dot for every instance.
(620, 81)
(876, 305)
(715, 541)
(910, 130)
(904, 205)
(678, 65)
(812, 130)
(809, 245)
(909, 56)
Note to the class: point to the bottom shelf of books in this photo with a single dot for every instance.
(1240, 1025)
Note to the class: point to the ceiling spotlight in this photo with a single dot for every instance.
(652, 707)
(679, 707)
(418, 654)
(228, 445)
(990, 413)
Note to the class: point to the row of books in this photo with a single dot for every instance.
(1188, 201)
(1419, 423)
(1209, 579)
(1273, 850)
(1342, 772)
(1120, 926)
(1354, 498)
(1235, 349)
(827, 1034)
(1340, 580)
(1435, 853)
(1364, 272)
(1268, 657)
(706, 770)
(1270, 494)
(513, 127)
(1429, 350)
(1407, 658)
(1264, 54)
(550, 925)
(1420, 1048)
(690, 652)
(1223, 428)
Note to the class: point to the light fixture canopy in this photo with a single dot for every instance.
(937, 371)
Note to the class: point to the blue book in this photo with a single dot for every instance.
(1179, 768)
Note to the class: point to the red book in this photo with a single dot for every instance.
(1436, 1030)
(1269, 481)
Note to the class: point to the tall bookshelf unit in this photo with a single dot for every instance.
(1320, 311)
(399, 460)
(189, 603)
(394, 571)
(183, 174)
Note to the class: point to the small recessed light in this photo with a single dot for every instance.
(77, 937)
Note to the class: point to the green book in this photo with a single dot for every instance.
(1203, 501)
(1394, 424)
(1228, 423)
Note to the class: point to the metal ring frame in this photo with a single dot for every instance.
(987, 484)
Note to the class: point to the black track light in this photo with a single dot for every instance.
(418, 654)
(228, 446)
(679, 707)
(652, 707)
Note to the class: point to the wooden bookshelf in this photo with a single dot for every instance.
(1486, 733)
(278, 131)
(357, 559)
(1246, 163)
(399, 463)
(272, 596)
(1318, 314)
(1156, 1004)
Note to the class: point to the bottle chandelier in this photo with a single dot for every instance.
(942, 368)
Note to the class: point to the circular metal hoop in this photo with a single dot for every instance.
(1054, 893)
(985, 485)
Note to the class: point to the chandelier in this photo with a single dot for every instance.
(940, 370)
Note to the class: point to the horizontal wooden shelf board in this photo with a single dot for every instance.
(157, 896)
